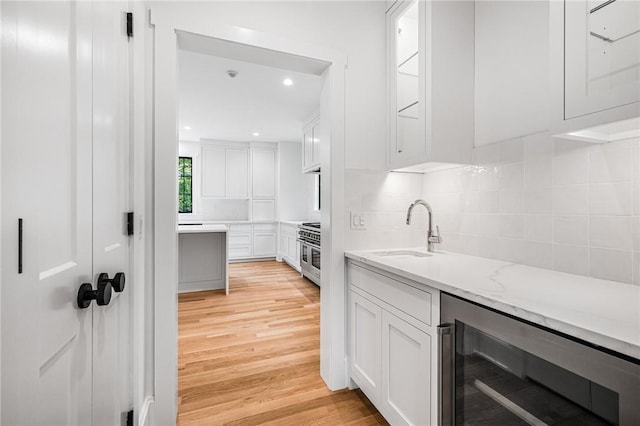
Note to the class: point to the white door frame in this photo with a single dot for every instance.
(165, 109)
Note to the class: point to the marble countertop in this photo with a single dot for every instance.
(604, 313)
(198, 229)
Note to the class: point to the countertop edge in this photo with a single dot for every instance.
(590, 336)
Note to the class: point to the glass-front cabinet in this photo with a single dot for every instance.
(429, 82)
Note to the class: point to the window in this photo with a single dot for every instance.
(185, 185)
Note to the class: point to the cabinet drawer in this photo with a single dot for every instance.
(240, 239)
(410, 300)
(265, 227)
(239, 252)
(235, 228)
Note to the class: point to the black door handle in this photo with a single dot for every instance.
(117, 282)
(86, 294)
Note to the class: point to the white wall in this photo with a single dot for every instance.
(563, 205)
(356, 28)
(293, 186)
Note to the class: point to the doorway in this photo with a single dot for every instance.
(166, 26)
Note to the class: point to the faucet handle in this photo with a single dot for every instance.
(436, 239)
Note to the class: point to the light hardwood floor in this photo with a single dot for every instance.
(253, 357)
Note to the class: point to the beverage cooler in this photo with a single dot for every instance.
(495, 369)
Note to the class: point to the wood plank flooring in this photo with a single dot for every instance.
(253, 357)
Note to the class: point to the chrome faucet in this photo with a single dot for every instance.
(431, 237)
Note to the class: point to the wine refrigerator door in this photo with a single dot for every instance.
(509, 372)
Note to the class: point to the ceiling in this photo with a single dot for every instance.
(216, 106)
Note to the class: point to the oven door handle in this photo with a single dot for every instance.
(309, 244)
(446, 375)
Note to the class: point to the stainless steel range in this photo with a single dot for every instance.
(309, 238)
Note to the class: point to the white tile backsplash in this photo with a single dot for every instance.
(538, 228)
(557, 204)
(613, 198)
(571, 259)
(570, 199)
(615, 265)
(611, 162)
(613, 232)
(570, 162)
(571, 230)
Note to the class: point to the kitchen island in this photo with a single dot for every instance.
(203, 257)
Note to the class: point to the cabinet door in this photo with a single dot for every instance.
(263, 182)
(237, 173)
(264, 244)
(406, 60)
(406, 376)
(602, 55)
(214, 175)
(365, 325)
(291, 250)
(510, 98)
(315, 139)
(307, 149)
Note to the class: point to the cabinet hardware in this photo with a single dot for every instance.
(20, 245)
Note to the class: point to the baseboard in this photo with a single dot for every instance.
(252, 259)
(145, 411)
(201, 286)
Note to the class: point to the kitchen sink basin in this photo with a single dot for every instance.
(399, 253)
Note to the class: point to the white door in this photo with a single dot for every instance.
(53, 106)
(111, 202)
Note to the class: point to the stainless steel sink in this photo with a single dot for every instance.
(399, 253)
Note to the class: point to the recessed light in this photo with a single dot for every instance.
(187, 127)
(256, 134)
(287, 82)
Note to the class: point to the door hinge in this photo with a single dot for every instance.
(130, 223)
(129, 24)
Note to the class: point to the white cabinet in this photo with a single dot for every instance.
(264, 240)
(391, 343)
(406, 371)
(225, 172)
(214, 172)
(237, 172)
(249, 241)
(595, 68)
(311, 145)
(263, 176)
(240, 241)
(289, 245)
(430, 80)
(365, 344)
(602, 56)
(511, 69)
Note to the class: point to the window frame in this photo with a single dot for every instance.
(181, 175)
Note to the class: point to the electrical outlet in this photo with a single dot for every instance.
(358, 221)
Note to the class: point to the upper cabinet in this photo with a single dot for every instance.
(511, 69)
(263, 176)
(602, 68)
(430, 83)
(311, 145)
(595, 52)
(558, 67)
(225, 172)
